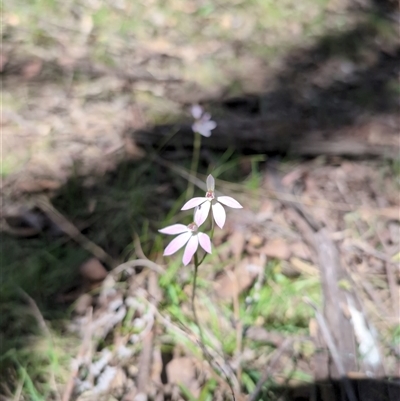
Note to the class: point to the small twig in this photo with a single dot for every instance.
(271, 366)
(36, 312)
(44, 204)
(136, 263)
(138, 248)
(332, 349)
(371, 251)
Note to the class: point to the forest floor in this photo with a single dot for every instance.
(89, 308)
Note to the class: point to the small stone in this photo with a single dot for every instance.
(93, 270)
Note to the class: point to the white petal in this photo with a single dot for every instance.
(202, 213)
(205, 117)
(209, 125)
(190, 250)
(202, 130)
(196, 127)
(205, 242)
(196, 111)
(228, 201)
(177, 243)
(219, 214)
(193, 203)
(210, 183)
(174, 229)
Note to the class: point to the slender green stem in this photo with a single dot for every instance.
(204, 351)
(195, 163)
(196, 268)
(196, 320)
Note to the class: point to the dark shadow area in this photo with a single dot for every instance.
(360, 389)
(326, 99)
(45, 264)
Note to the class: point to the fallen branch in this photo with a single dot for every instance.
(44, 204)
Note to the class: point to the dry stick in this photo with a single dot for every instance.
(371, 251)
(44, 204)
(138, 248)
(44, 328)
(332, 349)
(136, 263)
(36, 312)
(277, 354)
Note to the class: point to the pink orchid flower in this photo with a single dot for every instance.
(204, 204)
(189, 236)
(203, 124)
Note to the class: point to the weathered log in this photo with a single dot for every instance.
(265, 135)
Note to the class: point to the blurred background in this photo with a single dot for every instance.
(96, 154)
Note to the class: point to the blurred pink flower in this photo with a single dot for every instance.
(204, 204)
(203, 124)
(189, 236)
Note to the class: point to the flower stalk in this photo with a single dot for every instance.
(195, 164)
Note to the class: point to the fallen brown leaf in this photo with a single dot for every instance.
(183, 371)
(227, 285)
(290, 178)
(237, 242)
(277, 248)
(266, 210)
(300, 250)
